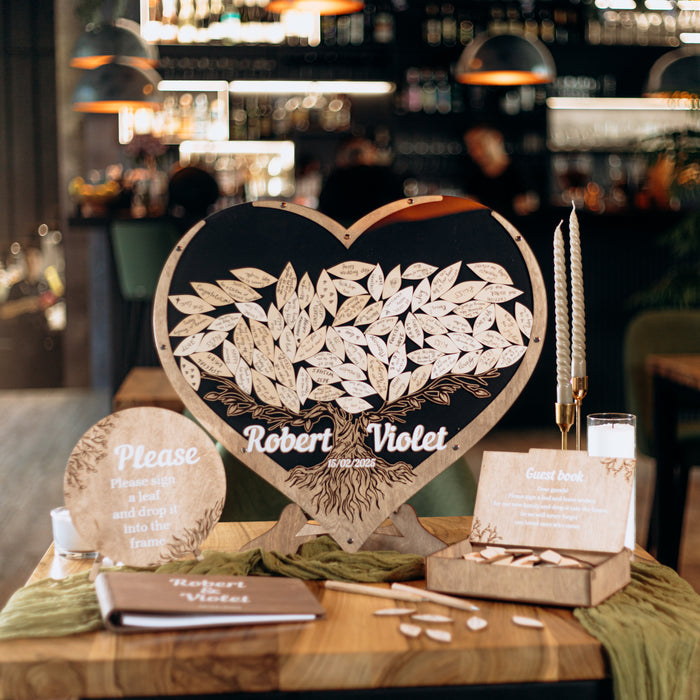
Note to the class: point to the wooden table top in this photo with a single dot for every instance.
(349, 649)
(682, 369)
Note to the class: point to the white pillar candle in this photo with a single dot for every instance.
(578, 310)
(561, 316)
(614, 435)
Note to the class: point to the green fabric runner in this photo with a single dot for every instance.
(50, 608)
(650, 629)
(651, 632)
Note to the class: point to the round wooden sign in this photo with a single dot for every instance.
(146, 485)
(349, 367)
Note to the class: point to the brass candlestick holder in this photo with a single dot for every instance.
(564, 416)
(579, 385)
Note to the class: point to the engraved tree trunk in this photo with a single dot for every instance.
(351, 478)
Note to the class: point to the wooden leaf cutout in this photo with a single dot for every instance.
(485, 319)
(444, 280)
(378, 348)
(414, 330)
(263, 364)
(488, 360)
(327, 293)
(351, 372)
(378, 375)
(419, 378)
(356, 355)
(443, 343)
(262, 337)
(523, 316)
(250, 309)
(353, 404)
(211, 364)
(265, 389)
(288, 397)
(191, 373)
(498, 293)
(369, 314)
(392, 283)
(463, 292)
(306, 291)
(188, 345)
(311, 345)
(284, 369)
(212, 293)
(244, 377)
(325, 392)
(191, 325)
(323, 375)
(375, 283)
(510, 356)
(398, 386)
(302, 327)
(254, 277)
(381, 327)
(398, 303)
(508, 326)
(418, 271)
(231, 356)
(286, 285)
(350, 308)
(304, 385)
(472, 309)
(334, 342)
(317, 313)
(351, 270)
(424, 356)
(348, 288)
(438, 308)
(421, 295)
(291, 310)
(238, 291)
(243, 340)
(456, 323)
(190, 304)
(227, 322)
(351, 334)
(211, 340)
(358, 389)
(467, 363)
(275, 321)
(430, 324)
(443, 365)
(492, 339)
(491, 272)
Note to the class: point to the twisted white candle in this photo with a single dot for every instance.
(561, 317)
(578, 311)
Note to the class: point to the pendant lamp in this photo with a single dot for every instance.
(112, 86)
(100, 44)
(505, 60)
(319, 7)
(675, 73)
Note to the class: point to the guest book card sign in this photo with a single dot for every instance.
(146, 485)
(552, 498)
(548, 527)
(349, 367)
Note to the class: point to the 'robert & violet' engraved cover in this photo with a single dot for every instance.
(141, 601)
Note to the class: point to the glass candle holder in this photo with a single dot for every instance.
(614, 435)
(67, 541)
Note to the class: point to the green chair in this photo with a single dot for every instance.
(661, 332)
(140, 247)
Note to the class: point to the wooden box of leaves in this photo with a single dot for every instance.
(548, 528)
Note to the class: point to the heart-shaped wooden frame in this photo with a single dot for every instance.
(437, 274)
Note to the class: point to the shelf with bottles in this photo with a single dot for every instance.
(245, 170)
(616, 124)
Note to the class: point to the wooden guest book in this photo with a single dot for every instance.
(132, 602)
(349, 367)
